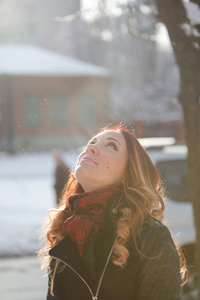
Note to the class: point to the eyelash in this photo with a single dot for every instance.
(112, 144)
(109, 144)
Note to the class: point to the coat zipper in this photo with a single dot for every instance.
(101, 277)
(93, 297)
(105, 267)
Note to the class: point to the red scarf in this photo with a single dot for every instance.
(87, 218)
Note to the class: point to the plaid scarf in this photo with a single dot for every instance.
(87, 215)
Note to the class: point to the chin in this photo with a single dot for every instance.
(82, 177)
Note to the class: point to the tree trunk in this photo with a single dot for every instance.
(192, 125)
(187, 53)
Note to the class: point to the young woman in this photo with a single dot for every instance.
(106, 240)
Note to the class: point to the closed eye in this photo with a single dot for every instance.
(112, 145)
(92, 142)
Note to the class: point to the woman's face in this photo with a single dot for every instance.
(103, 162)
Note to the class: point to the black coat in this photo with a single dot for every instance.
(154, 278)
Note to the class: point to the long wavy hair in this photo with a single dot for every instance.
(142, 196)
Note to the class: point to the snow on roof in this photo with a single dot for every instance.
(22, 60)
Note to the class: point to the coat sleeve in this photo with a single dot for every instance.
(159, 272)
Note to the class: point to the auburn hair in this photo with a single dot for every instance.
(142, 196)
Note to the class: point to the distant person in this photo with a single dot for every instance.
(62, 172)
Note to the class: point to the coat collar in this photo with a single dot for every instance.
(67, 251)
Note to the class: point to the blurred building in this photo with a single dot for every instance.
(49, 100)
(145, 84)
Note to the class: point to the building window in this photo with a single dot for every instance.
(33, 112)
(60, 112)
(88, 110)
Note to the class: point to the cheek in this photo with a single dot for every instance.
(115, 168)
(110, 165)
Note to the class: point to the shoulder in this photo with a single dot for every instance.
(156, 237)
(153, 227)
(153, 223)
(158, 265)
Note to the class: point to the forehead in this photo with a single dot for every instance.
(111, 134)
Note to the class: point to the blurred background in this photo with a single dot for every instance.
(67, 68)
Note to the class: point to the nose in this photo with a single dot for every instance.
(92, 149)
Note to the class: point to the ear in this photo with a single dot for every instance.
(123, 181)
(124, 178)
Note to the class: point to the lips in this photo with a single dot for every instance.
(89, 159)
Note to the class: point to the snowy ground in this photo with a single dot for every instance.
(26, 194)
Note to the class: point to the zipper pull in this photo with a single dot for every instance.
(94, 298)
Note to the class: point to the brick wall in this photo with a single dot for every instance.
(18, 101)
